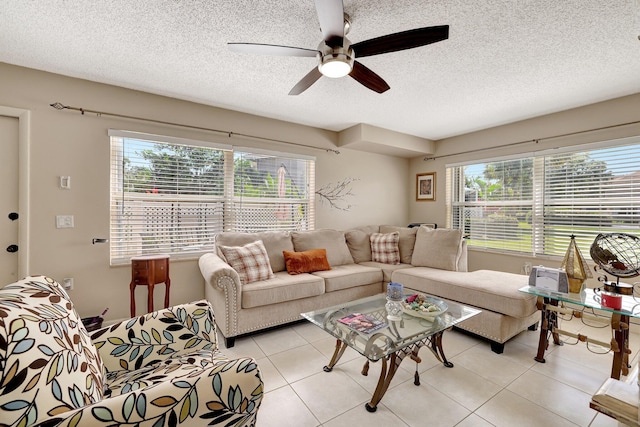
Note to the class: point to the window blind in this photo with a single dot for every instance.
(173, 196)
(534, 204)
(272, 191)
(587, 192)
(165, 198)
(491, 201)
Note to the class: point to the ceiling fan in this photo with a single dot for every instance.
(336, 55)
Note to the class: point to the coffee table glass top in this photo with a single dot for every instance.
(587, 298)
(396, 335)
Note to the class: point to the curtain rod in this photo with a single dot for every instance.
(531, 141)
(59, 106)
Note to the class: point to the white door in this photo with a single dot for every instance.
(8, 200)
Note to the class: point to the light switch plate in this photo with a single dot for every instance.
(64, 221)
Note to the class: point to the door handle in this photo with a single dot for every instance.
(13, 216)
(12, 248)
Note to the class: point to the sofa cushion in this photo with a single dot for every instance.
(331, 240)
(307, 261)
(250, 261)
(384, 248)
(387, 269)
(407, 240)
(274, 242)
(359, 243)
(48, 360)
(437, 248)
(349, 276)
(490, 290)
(283, 287)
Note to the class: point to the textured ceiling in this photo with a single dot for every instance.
(504, 60)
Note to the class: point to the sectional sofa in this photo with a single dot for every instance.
(259, 280)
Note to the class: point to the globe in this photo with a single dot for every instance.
(617, 254)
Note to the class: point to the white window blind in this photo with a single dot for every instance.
(588, 192)
(173, 195)
(272, 191)
(491, 201)
(534, 204)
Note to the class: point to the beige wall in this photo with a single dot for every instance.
(600, 115)
(67, 143)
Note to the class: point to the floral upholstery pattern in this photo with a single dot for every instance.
(159, 369)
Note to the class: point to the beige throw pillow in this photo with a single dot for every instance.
(249, 261)
(331, 240)
(359, 243)
(437, 248)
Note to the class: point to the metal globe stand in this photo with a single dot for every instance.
(618, 255)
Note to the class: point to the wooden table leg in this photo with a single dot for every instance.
(620, 326)
(150, 298)
(166, 292)
(132, 291)
(549, 323)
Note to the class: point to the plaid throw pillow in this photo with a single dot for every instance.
(384, 248)
(250, 261)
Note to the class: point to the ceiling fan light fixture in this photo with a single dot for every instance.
(335, 68)
(336, 62)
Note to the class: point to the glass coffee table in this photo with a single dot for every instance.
(391, 344)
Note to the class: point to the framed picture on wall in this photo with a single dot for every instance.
(426, 186)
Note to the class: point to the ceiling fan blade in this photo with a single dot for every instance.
(368, 78)
(401, 41)
(271, 49)
(331, 17)
(306, 82)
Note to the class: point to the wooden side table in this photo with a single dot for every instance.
(149, 271)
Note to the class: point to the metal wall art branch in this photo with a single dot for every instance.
(336, 193)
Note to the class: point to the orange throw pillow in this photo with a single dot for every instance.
(307, 261)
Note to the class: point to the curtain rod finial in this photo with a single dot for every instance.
(58, 106)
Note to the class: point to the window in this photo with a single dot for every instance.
(272, 192)
(533, 203)
(173, 195)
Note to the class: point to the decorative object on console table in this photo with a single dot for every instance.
(426, 186)
(619, 255)
(576, 267)
(551, 279)
(149, 270)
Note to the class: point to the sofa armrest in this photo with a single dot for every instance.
(220, 276)
(462, 264)
(226, 393)
(224, 290)
(153, 337)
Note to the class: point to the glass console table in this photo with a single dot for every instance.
(549, 303)
(394, 342)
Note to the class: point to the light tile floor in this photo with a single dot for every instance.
(482, 389)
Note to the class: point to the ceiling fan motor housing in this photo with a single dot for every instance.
(336, 61)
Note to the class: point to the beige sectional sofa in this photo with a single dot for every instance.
(431, 261)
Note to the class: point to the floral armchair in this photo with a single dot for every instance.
(159, 369)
